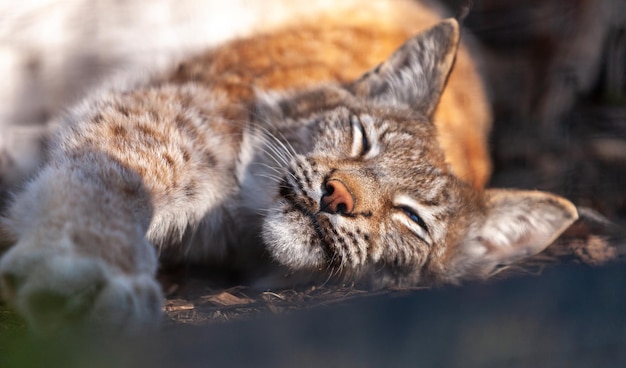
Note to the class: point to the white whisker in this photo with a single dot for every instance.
(274, 178)
(278, 153)
(274, 169)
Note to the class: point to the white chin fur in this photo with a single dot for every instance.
(288, 238)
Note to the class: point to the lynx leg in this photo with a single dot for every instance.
(81, 258)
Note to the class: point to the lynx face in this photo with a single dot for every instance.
(367, 191)
(372, 190)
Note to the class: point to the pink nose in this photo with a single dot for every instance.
(338, 199)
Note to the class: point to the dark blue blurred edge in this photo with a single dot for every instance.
(570, 316)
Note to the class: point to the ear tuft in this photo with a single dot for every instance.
(415, 74)
(518, 224)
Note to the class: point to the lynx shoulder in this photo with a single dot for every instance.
(351, 146)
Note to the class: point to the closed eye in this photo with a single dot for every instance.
(360, 143)
(417, 217)
(413, 216)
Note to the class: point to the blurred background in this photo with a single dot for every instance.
(556, 73)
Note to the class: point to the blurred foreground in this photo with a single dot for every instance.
(571, 316)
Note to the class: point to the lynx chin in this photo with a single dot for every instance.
(349, 144)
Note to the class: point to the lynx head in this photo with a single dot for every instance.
(366, 190)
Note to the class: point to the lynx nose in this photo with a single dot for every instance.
(338, 199)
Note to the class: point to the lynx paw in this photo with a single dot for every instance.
(63, 291)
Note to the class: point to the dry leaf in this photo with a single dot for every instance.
(174, 305)
(226, 299)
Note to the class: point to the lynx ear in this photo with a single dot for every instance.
(518, 224)
(416, 73)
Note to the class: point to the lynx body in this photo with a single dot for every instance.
(328, 144)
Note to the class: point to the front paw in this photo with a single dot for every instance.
(65, 291)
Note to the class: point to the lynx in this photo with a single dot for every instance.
(349, 144)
